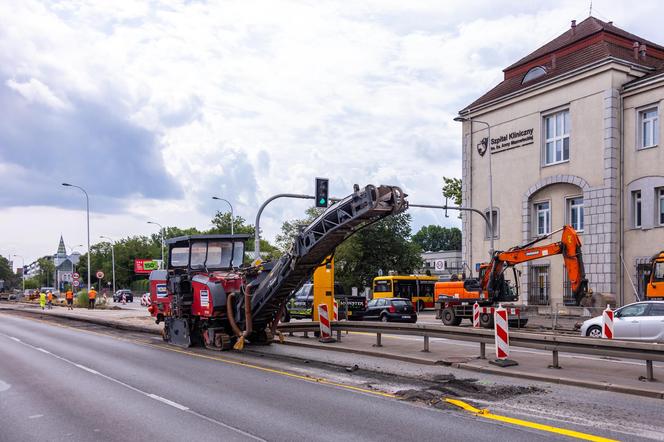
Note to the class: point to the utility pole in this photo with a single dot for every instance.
(87, 209)
(257, 235)
(161, 230)
(112, 257)
(231, 206)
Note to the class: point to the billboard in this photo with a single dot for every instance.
(145, 266)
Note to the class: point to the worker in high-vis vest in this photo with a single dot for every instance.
(92, 297)
(69, 296)
(49, 299)
(42, 300)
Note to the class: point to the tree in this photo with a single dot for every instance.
(291, 228)
(452, 190)
(7, 273)
(435, 238)
(46, 275)
(382, 247)
(222, 224)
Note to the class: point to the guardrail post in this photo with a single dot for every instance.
(482, 350)
(649, 372)
(306, 334)
(378, 340)
(339, 335)
(426, 344)
(555, 360)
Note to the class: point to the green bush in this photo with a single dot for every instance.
(81, 299)
(141, 286)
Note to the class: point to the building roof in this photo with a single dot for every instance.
(62, 250)
(589, 42)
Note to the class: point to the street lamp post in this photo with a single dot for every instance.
(231, 206)
(87, 209)
(488, 147)
(22, 270)
(161, 230)
(112, 258)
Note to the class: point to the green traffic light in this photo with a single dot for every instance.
(322, 201)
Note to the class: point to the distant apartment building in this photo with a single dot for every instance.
(442, 264)
(575, 139)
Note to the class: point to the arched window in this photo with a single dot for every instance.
(534, 73)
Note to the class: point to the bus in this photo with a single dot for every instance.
(418, 288)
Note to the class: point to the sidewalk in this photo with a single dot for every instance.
(579, 370)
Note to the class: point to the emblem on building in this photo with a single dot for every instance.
(482, 147)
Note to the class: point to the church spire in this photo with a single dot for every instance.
(62, 251)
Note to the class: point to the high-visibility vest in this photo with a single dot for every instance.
(69, 294)
(92, 294)
(50, 296)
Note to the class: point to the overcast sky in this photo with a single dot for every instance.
(156, 106)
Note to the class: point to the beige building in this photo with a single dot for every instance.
(575, 139)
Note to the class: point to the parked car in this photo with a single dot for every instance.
(300, 303)
(389, 310)
(129, 296)
(641, 321)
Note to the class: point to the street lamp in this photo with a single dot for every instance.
(87, 209)
(22, 271)
(488, 146)
(112, 257)
(161, 230)
(231, 206)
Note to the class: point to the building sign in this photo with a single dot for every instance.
(145, 265)
(511, 140)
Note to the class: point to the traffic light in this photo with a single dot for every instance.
(322, 185)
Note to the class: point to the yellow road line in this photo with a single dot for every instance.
(276, 371)
(510, 420)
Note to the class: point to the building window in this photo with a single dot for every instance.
(636, 208)
(660, 204)
(543, 213)
(532, 74)
(575, 213)
(538, 293)
(556, 141)
(648, 128)
(495, 223)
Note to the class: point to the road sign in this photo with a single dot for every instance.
(100, 274)
(75, 275)
(76, 283)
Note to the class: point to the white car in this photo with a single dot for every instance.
(641, 321)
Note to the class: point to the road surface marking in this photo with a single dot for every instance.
(144, 393)
(484, 413)
(313, 380)
(14, 339)
(171, 403)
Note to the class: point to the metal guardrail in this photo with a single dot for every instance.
(647, 352)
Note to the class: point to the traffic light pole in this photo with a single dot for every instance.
(257, 236)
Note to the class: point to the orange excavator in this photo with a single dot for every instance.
(455, 299)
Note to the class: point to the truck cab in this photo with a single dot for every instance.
(656, 283)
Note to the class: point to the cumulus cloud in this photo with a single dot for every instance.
(157, 106)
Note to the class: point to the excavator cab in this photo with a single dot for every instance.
(655, 287)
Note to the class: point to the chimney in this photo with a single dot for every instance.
(553, 61)
(610, 23)
(642, 51)
(573, 27)
(635, 47)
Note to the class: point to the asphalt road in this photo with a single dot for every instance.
(59, 383)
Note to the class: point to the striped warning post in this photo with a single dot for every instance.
(324, 321)
(476, 315)
(607, 323)
(501, 331)
(335, 316)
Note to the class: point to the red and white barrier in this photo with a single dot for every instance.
(607, 323)
(324, 321)
(476, 315)
(501, 331)
(335, 317)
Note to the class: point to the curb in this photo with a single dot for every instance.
(517, 374)
(105, 322)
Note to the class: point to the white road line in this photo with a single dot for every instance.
(166, 401)
(14, 339)
(144, 393)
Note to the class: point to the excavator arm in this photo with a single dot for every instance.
(569, 247)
